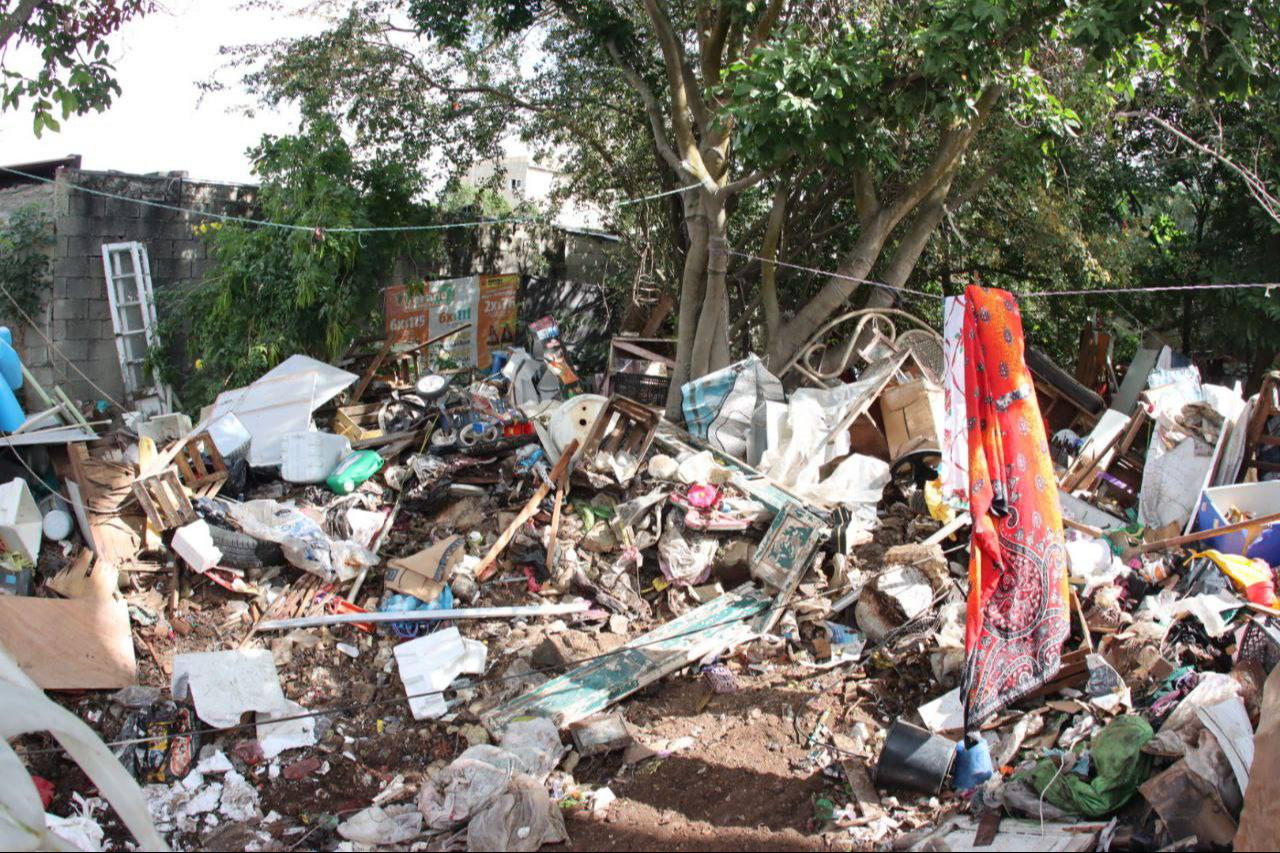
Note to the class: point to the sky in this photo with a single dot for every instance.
(159, 122)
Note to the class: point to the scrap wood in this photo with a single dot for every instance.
(192, 469)
(554, 529)
(164, 500)
(70, 644)
(855, 773)
(374, 367)
(489, 564)
(283, 597)
(1201, 535)
(85, 577)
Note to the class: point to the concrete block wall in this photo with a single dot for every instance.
(77, 314)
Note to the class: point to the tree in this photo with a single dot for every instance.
(843, 134)
(276, 292)
(55, 53)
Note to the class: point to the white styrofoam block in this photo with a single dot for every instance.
(194, 544)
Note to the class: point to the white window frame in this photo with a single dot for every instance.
(154, 397)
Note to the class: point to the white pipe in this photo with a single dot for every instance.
(580, 606)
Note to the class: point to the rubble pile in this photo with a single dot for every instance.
(376, 605)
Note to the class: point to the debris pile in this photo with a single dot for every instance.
(387, 604)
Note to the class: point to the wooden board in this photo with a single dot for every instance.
(79, 644)
(86, 577)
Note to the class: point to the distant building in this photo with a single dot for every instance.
(526, 177)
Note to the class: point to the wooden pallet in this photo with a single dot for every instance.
(359, 422)
(622, 426)
(164, 500)
(200, 477)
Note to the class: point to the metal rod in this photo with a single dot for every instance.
(428, 615)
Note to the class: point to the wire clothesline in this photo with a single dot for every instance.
(343, 229)
(335, 229)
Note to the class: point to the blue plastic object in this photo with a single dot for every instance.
(401, 603)
(10, 366)
(973, 765)
(12, 415)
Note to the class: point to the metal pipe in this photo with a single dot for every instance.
(581, 606)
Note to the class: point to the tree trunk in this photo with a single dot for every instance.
(857, 265)
(692, 290)
(711, 343)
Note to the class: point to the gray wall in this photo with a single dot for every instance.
(77, 315)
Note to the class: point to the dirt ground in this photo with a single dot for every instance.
(743, 776)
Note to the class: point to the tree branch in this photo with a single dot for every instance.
(1256, 186)
(673, 56)
(650, 101)
(17, 19)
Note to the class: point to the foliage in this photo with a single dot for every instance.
(908, 141)
(276, 292)
(25, 263)
(72, 73)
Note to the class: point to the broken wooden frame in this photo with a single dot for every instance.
(164, 500)
(623, 426)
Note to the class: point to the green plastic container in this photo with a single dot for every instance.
(354, 470)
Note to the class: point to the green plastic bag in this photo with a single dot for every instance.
(1118, 767)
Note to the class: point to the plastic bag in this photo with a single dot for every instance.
(721, 406)
(379, 827)
(304, 542)
(25, 708)
(484, 776)
(521, 818)
(685, 561)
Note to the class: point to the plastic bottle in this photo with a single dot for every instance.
(354, 470)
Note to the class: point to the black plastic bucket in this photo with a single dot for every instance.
(915, 759)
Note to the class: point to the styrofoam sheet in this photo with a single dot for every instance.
(269, 409)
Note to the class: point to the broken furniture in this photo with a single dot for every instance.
(623, 431)
(640, 368)
(1107, 451)
(1064, 402)
(164, 500)
(872, 338)
(203, 478)
(1258, 439)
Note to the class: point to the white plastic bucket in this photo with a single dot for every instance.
(21, 524)
(310, 457)
(57, 524)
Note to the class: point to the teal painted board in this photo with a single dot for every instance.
(785, 555)
(596, 685)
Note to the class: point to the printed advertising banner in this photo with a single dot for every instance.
(485, 303)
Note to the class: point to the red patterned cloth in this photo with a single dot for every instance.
(1018, 616)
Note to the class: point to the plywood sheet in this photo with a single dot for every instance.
(80, 644)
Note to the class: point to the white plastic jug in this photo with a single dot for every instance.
(310, 457)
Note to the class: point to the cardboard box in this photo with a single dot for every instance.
(912, 412)
(424, 574)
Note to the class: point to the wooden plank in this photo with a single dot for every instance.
(374, 366)
(86, 577)
(1201, 535)
(553, 530)
(490, 561)
(647, 354)
(76, 644)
